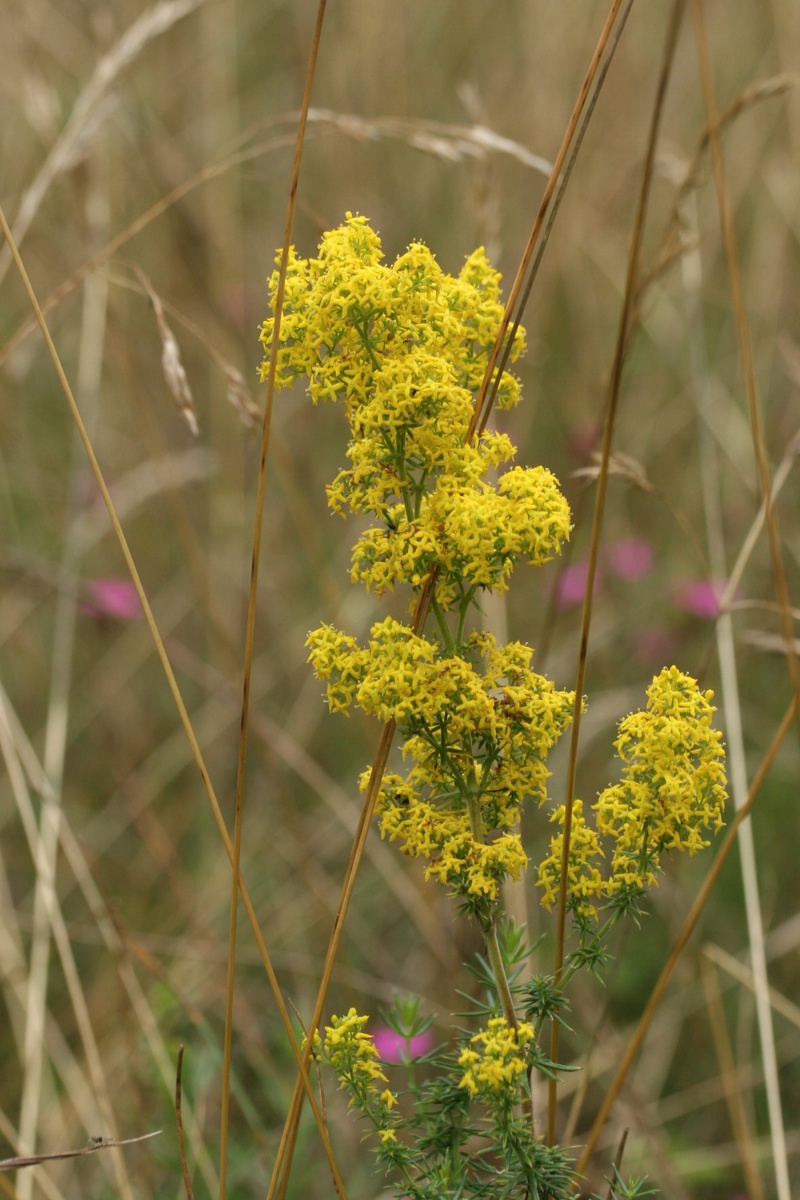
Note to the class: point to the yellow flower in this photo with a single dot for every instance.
(494, 1071)
(351, 1052)
(585, 882)
(673, 781)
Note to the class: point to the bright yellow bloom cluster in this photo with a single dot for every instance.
(446, 839)
(584, 880)
(672, 790)
(493, 1071)
(477, 727)
(405, 347)
(473, 532)
(354, 1057)
(347, 315)
(673, 780)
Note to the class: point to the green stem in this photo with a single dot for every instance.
(493, 945)
(499, 972)
(447, 637)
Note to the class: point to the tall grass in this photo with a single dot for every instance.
(147, 157)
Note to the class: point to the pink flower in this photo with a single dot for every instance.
(571, 584)
(631, 558)
(392, 1047)
(700, 597)
(116, 598)
(584, 438)
(653, 646)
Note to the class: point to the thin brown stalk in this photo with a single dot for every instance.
(253, 597)
(597, 522)
(727, 1066)
(745, 345)
(187, 1179)
(171, 680)
(683, 937)
(95, 1144)
(283, 1161)
(556, 204)
(485, 400)
(617, 1163)
(773, 1092)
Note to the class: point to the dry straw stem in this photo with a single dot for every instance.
(88, 111)
(597, 521)
(733, 1094)
(251, 616)
(48, 922)
(687, 929)
(726, 654)
(171, 681)
(745, 347)
(746, 976)
(483, 404)
(754, 922)
(95, 1144)
(187, 1179)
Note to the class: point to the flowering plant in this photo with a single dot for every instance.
(404, 347)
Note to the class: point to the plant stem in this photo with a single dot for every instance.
(493, 946)
(447, 636)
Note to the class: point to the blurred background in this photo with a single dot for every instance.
(146, 153)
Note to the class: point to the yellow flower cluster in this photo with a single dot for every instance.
(584, 880)
(672, 791)
(477, 728)
(493, 1071)
(673, 780)
(474, 533)
(353, 1055)
(347, 315)
(444, 836)
(405, 347)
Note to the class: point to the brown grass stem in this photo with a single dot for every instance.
(187, 1179)
(681, 941)
(599, 511)
(485, 400)
(172, 682)
(727, 1068)
(283, 1162)
(745, 345)
(766, 1035)
(253, 597)
(617, 1163)
(552, 212)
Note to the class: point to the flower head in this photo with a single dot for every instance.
(494, 1070)
(673, 781)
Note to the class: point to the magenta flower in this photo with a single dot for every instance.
(652, 646)
(571, 584)
(584, 438)
(700, 597)
(631, 558)
(392, 1047)
(115, 598)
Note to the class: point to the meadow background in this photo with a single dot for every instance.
(429, 118)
